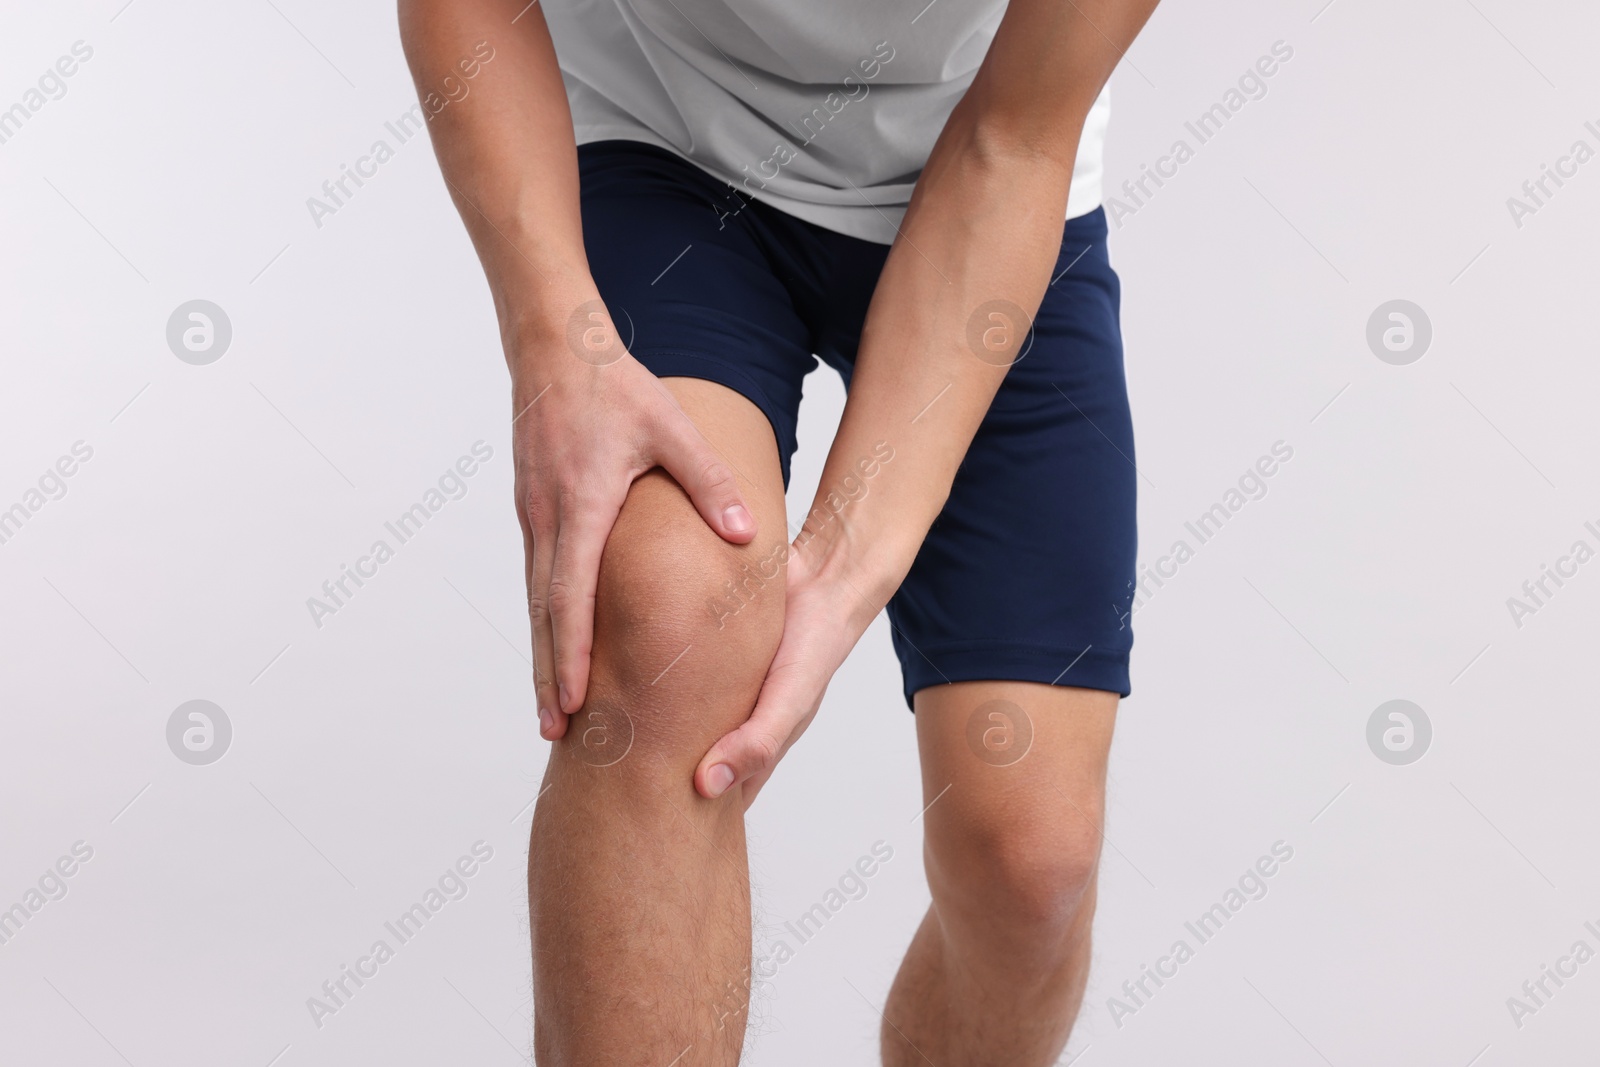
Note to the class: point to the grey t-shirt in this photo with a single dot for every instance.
(826, 109)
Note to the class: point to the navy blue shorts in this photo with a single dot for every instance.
(1027, 574)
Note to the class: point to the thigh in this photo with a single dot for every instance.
(1014, 747)
(1027, 575)
(691, 277)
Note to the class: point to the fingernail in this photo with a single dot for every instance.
(564, 702)
(738, 520)
(545, 720)
(719, 778)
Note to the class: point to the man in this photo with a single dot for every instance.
(678, 204)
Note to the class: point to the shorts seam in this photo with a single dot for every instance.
(1097, 667)
(1053, 647)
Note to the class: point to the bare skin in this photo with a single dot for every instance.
(638, 498)
(638, 886)
(654, 963)
(996, 971)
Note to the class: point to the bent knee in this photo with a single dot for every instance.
(685, 623)
(1033, 874)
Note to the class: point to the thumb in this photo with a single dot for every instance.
(751, 750)
(706, 477)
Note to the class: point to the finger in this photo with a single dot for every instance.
(528, 583)
(574, 578)
(750, 751)
(541, 560)
(705, 476)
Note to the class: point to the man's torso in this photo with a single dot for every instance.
(826, 110)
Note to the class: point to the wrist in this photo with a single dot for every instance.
(541, 322)
(863, 566)
(863, 531)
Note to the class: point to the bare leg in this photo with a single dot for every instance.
(996, 972)
(638, 888)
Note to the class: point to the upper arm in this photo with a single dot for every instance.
(502, 46)
(1047, 64)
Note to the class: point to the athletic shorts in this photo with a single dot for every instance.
(1028, 572)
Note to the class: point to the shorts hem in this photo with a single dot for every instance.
(1091, 668)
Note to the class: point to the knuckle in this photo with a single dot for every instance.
(539, 611)
(536, 506)
(715, 475)
(564, 599)
(764, 749)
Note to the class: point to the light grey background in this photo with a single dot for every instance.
(369, 754)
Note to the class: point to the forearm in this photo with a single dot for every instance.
(505, 144)
(960, 287)
(951, 308)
